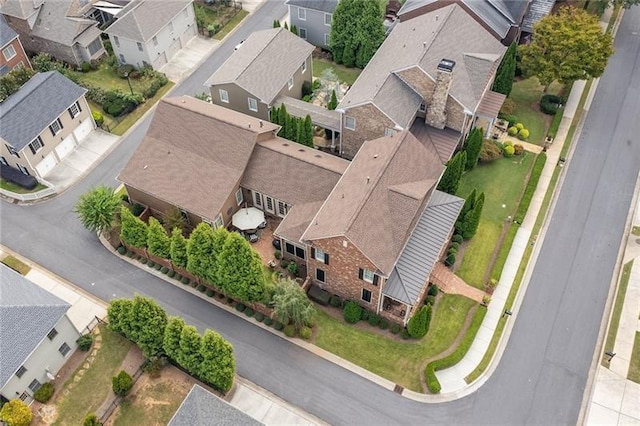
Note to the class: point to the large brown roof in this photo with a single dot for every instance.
(379, 198)
(194, 154)
(297, 220)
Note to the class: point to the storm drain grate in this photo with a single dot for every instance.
(398, 389)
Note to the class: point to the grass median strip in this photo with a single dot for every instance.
(17, 265)
(634, 366)
(617, 311)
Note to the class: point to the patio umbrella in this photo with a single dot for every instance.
(247, 218)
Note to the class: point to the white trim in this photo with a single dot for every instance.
(252, 106)
(346, 121)
(224, 96)
(6, 49)
(330, 15)
(327, 39)
(239, 197)
(302, 16)
(365, 278)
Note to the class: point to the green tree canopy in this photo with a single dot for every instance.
(172, 335)
(506, 71)
(333, 102)
(147, 323)
(12, 81)
(97, 208)
(240, 270)
(158, 241)
(418, 324)
(200, 251)
(452, 174)
(292, 305)
(473, 147)
(218, 366)
(178, 248)
(16, 413)
(471, 219)
(567, 46)
(189, 356)
(134, 230)
(118, 314)
(173, 218)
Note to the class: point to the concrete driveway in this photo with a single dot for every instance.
(185, 61)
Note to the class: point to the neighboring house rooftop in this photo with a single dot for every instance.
(327, 6)
(140, 20)
(194, 154)
(202, 408)
(27, 314)
(6, 33)
(35, 106)
(21, 9)
(376, 202)
(449, 32)
(259, 65)
(423, 248)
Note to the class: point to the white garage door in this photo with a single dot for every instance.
(173, 49)
(188, 34)
(83, 130)
(160, 61)
(46, 165)
(65, 147)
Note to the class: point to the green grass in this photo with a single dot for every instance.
(502, 182)
(231, 25)
(94, 387)
(398, 361)
(555, 123)
(534, 178)
(526, 94)
(634, 366)
(345, 75)
(636, 230)
(106, 78)
(10, 186)
(135, 410)
(617, 311)
(17, 265)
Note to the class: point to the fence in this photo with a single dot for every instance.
(94, 322)
(118, 399)
(31, 196)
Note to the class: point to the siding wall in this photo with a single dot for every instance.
(239, 100)
(20, 58)
(314, 24)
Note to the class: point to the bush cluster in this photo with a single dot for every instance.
(84, 342)
(549, 104)
(44, 393)
(305, 333)
(122, 383)
(335, 301)
(352, 312)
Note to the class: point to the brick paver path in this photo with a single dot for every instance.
(450, 283)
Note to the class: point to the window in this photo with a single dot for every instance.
(320, 275)
(23, 169)
(55, 127)
(368, 276)
(155, 40)
(52, 334)
(257, 199)
(3, 161)
(253, 104)
(270, 204)
(74, 110)
(218, 223)
(300, 252)
(64, 349)
(389, 132)
(24, 396)
(122, 60)
(366, 295)
(35, 385)
(282, 208)
(115, 38)
(12, 151)
(302, 32)
(21, 371)
(423, 107)
(290, 83)
(9, 52)
(302, 14)
(95, 46)
(36, 145)
(224, 96)
(327, 19)
(289, 248)
(320, 255)
(326, 39)
(239, 198)
(304, 66)
(139, 46)
(350, 123)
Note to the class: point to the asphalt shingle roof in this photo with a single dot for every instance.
(140, 20)
(6, 32)
(327, 6)
(202, 408)
(26, 113)
(18, 8)
(27, 314)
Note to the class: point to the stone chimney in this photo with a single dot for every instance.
(437, 110)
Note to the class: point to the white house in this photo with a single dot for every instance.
(36, 336)
(151, 32)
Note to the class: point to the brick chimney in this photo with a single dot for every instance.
(437, 111)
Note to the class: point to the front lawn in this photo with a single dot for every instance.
(345, 75)
(502, 182)
(399, 361)
(526, 94)
(105, 77)
(92, 388)
(10, 186)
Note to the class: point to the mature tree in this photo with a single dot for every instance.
(506, 71)
(189, 356)
(240, 270)
(452, 174)
(356, 31)
(16, 413)
(473, 147)
(292, 305)
(172, 334)
(200, 252)
(173, 218)
(97, 208)
(147, 323)
(418, 324)
(218, 366)
(158, 241)
(178, 249)
(471, 220)
(134, 230)
(305, 132)
(118, 314)
(333, 102)
(283, 116)
(567, 46)
(219, 237)
(12, 81)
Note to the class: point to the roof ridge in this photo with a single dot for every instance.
(255, 57)
(437, 32)
(29, 90)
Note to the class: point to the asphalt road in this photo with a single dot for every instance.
(543, 372)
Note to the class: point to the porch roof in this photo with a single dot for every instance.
(423, 248)
(490, 104)
(319, 116)
(442, 142)
(297, 220)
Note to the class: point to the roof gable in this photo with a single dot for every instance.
(21, 9)
(7, 34)
(140, 20)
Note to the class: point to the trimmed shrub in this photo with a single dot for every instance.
(121, 250)
(396, 328)
(259, 316)
(144, 260)
(549, 104)
(305, 333)
(177, 277)
(164, 270)
(352, 312)
(454, 246)
(97, 117)
(450, 260)
(157, 266)
(129, 254)
(405, 334)
(508, 106)
(512, 131)
(278, 325)
(249, 312)
(268, 321)
(290, 330)
(508, 151)
(383, 324)
(430, 300)
(419, 323)
(151, 264)
(365, 315)
(284, 263)
(277, 254)
(457, 238)
(531, 187)
(292, 267)
(335, 301)
(519, 126)
(432, 381)
(518, 149)
(307, 88)
(523, 134)
(137, 209)
(84, 342)
(91, 420)
(319, 295)
(44, 393)
(122, 383)
(185, 280)
(240, 307)
(489, 152)
(452, 250)
(374, 319)
(433, 290)
(512, 119)
(201, 288)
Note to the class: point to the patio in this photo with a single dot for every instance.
(263, 246)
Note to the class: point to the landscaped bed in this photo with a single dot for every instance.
(16, 265)
(526, 94)
(10, 186)
(345, 75)
(217, 19)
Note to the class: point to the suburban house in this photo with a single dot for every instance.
(36, 334)
(13, 55)
(313, 19)
(269, 66)
(151, 32)
(378, 218)
(42, 123)
(433, 76)
(203, 408)
(60, 28)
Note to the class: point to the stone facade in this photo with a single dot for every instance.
(437, 108)
(455, 115)
(370, 124)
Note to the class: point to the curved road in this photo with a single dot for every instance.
(543, 372)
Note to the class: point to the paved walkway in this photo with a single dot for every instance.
(450, 283)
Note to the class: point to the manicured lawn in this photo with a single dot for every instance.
(634, 366)
(345, 75)
(10, 186)
(88, 394)
(399, 361)
(617, 310)
(106, 78)
(231, 25)
(16, 265)
(502, 182)
(526, 94)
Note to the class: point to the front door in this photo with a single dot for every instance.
(257, 200)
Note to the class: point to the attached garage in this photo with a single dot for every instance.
(83, 130)
(160, 61)
(65, 147)
(173, 49)
(188, 34)
(47, 164)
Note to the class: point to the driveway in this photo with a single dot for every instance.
(181, 65)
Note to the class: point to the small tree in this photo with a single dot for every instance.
(333, 102)
(472, 218)
(307, 131)
(506, 71)
(218, 366)
(178, 248)
(452, 174)
(292, 305)
(473, 147)
(294, 29)
(189, 356)
(240, 270)
(172, 335)
(97, 208)
(122, 383)
(286, 25)
(134, 230)
(291, 128)
(173, 218)
(147, 323)
(276, 23)
(200, 252)
(158, 241)
(91, 420)
(118, 314)
(418, 324)
(16, 413)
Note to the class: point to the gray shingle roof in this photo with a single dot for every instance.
(27, 314)
(19, 8)
(264, 63)
(327, 6)
(140, 20)
(423, 248)
(57, 22)
(6, 32)
(26, 113)
(202, 408)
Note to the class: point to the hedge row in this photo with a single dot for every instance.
(531, 187)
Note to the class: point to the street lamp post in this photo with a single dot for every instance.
(126, 75)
